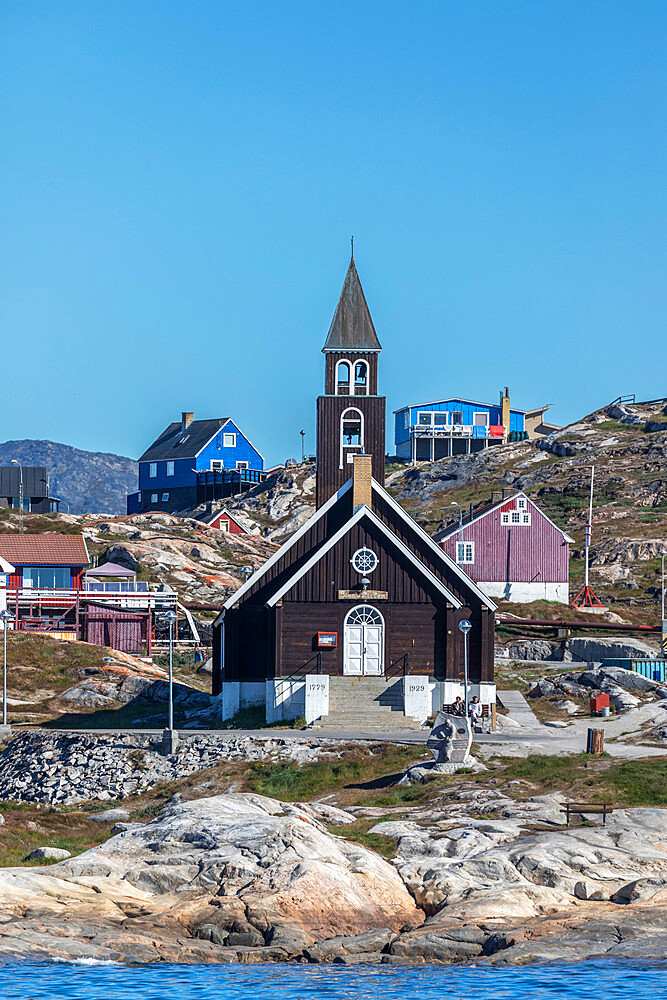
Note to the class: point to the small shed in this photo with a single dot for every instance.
(224, 521)
(126, 631)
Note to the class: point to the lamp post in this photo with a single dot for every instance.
(171, 617)
(464, 627)
(303, 446)
(5, 615)
(663, 635)
(16, 462)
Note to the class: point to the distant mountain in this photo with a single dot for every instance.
(89, 481)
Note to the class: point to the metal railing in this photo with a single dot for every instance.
(304, 669)
(399, 668)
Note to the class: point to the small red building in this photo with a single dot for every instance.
(511, 549)
(224, 521)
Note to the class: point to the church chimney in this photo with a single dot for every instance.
(362, 487)
(186, 418)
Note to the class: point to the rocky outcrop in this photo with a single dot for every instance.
(240, 877)
(234, 877)
(581, 650)
(64, 769)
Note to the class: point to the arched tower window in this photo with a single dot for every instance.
(343, 378)
(351, 434)
(361, 378)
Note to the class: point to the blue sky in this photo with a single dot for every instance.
(180, 181)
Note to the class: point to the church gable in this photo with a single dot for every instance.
(363, 549)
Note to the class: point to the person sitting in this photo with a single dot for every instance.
(475, 710)
(458, 708)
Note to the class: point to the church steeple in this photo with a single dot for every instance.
(350, 416)
(352, 327)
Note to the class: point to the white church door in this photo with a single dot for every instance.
(363, 648)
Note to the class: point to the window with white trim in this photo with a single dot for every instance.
(364, 561)
(360, 378)
(152, 470)
(515, 517)
(521, 503)
(224, 526)
(465, 552)
(165, 497)
(170, 468)
(343, 378)
(229, 440)
(525, 517)
(153, 497)
(217, 465)
(505, 517)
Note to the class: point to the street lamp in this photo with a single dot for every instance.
(303, 446)
(5, 615)
(16, 462)
(663, 630)
(171, 617)
(464, 627)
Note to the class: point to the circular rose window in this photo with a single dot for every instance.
(364, 561)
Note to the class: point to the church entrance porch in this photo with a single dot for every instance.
(363, 642)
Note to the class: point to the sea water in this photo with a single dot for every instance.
(81, 981)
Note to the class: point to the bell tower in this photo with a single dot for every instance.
(350, 414)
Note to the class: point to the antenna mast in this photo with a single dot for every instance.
(586, 598)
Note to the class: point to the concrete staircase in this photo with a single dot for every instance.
(366, 704)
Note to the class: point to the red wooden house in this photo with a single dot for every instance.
(511, 549)
(45, 562)
(223, 521)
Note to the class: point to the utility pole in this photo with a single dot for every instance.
(15, 462)
(586, 598)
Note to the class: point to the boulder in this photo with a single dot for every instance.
(109, 816)
(49, 854)
(594, 650)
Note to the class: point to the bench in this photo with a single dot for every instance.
(486, 715)
(581, 808)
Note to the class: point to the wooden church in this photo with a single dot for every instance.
(360, 592)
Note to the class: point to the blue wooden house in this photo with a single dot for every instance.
(454, 426)
(193, 461)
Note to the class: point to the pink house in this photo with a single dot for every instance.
(511, 549)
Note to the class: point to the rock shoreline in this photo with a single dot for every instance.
(240, 877)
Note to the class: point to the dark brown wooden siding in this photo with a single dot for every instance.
(332, 359)
(260, 641)
(330, 476)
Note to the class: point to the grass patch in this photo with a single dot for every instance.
(358, 832)
(356, 767)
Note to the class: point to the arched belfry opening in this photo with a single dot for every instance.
(346, 427)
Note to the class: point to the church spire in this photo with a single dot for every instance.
(352, 327)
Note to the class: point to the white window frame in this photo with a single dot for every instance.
(354, 383)
(351, 449)
(525, 517)
(465, 553)
(152, 470)
(515, 517)
(480, 413)
(521, 503)
(165, 497)
(153, 497)
(424, 413)
(223, 525)
(504, 517)
(170, 468)
(229, 439)
(243, 465)
(216, 465)
(348, 381)
(363, 552)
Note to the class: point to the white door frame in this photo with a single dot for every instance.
(357, 634)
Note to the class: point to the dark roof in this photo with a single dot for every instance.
(352, 327)
(193, 438)
(44, 550)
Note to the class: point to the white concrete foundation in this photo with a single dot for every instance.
(417, 697)
(450, 690)
(240, 694)
(524, 593)
(287, 698)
